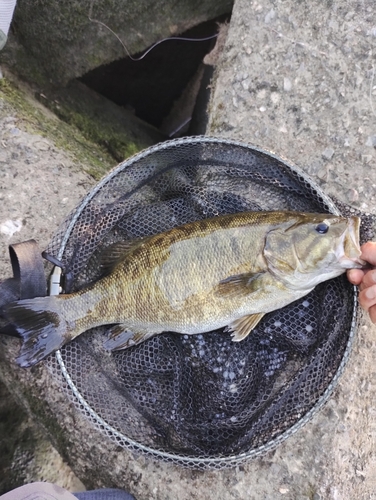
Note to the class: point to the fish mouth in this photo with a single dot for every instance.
(350, 251)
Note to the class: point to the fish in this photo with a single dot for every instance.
(222, 272)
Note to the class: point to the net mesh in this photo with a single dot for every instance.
(201, 400)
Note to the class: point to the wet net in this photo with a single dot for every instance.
(201, 400)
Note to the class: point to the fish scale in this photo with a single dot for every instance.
(227, 271)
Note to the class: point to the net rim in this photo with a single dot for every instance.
(213, 462)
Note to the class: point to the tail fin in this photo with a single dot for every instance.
(42, 329)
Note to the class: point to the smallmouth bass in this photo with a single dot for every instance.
(227, 271)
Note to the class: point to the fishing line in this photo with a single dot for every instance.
(184, 39)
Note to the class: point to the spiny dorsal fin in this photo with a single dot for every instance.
(243, 326)
(240, 285)
(117, 252)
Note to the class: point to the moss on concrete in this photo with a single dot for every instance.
(93, 158)
(101, 121)
(117, 146)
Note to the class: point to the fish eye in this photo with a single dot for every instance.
(322, 228)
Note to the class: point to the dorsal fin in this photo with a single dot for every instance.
(112, 255)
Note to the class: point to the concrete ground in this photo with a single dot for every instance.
(296, 78)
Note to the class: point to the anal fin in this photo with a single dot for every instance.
(121, 337)
(243, 326)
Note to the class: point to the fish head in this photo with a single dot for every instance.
(313, 248)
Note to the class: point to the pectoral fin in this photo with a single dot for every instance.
(120, 337)
(241, 327)
(241, 285)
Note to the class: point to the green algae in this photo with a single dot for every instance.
(94, 159)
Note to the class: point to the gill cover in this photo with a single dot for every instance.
(307, 251)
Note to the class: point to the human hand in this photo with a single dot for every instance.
(366, 279)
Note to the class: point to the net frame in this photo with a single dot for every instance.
(62, 372)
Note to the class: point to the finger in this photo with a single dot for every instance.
(367, 297)
(355, 276)
(369, 279)
(369, 252)
(372, 314)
